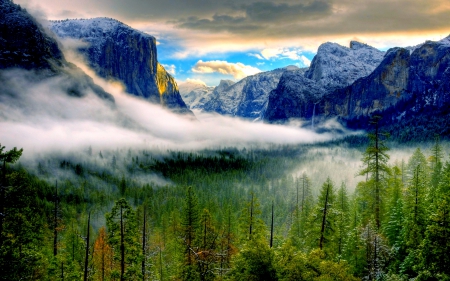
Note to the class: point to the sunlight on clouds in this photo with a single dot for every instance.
(237, 70)
(170, 68)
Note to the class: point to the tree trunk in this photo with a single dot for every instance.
(55, 222)
(143, 245)
(122, 248)
(271, 229)
(86, 257)
(324, 219)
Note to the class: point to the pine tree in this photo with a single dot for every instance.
(415, 210)
(342, 220)
(375, 161)
(124, 238)
(323, 218)
(190, 226)
(10, 156)
(435, 248)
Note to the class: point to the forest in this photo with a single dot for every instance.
(349, 209)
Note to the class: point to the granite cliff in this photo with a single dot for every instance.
(26, 46)
(119, 52)
(334, 67)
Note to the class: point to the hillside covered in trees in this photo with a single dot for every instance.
(254, 213)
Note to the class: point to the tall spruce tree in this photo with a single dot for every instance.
(123, 236)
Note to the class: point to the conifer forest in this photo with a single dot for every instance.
(359, 208)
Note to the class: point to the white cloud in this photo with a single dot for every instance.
(258, 56)
(195, 81)
(305, 60)
(170, 68)
(237, 70)
(270, 53)
(285, 53)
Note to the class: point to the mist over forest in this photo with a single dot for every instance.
(101, 180)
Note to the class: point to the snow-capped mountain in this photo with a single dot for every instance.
(410, 88)
(246, 99)
(195, 93)
(25, 45)
(117, 51)
(336, 66)
(333, 67)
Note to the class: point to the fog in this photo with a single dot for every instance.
(39, 116)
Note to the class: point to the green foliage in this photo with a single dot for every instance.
(254, 262)
(123, 236)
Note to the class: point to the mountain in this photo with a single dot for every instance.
(409, 87)
(26, 46)
(119, 52)
(410, 90)
(333, 67)
(246, 98)
(195, 93)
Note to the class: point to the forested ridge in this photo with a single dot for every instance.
(228, 213)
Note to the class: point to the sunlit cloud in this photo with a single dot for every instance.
(237, 70)
(170, 68)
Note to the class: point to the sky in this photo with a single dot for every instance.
(210, 40)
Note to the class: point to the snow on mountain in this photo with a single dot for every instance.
(119, 52)
(336, 66)
(246, 98)
(194, 93)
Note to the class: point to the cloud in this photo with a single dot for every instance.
(170, 68)
(285, 53)
(258, 56)
(305, 61)
(40, 117)
(237, 70)
(256, 16)
(195, 81)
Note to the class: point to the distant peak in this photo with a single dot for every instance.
(291, 67)
(355, 45)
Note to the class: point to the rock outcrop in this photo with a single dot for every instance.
(334, 67)
(119, 52)
(246, 98)
(25, 45)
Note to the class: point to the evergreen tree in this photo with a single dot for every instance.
(123, 236)
(342, 221)
(190, 227)
(323, 231)
(375, 161)
(435, 248)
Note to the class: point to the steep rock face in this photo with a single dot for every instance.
(25, 45)
(195, 94)
(116, 51)
(334, 67)
(402, 83)
(383, 88)
(430, 72)
(247, 98)
(294, 97)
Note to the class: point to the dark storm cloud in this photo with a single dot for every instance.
(258, 16)
(272, 19)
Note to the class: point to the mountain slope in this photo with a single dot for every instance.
(247, 98)
(333, 67)
(116, 51)
(25, 45)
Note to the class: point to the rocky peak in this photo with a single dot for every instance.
(223, 85)
(25, 45)
(336, 66)
(119, 52)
